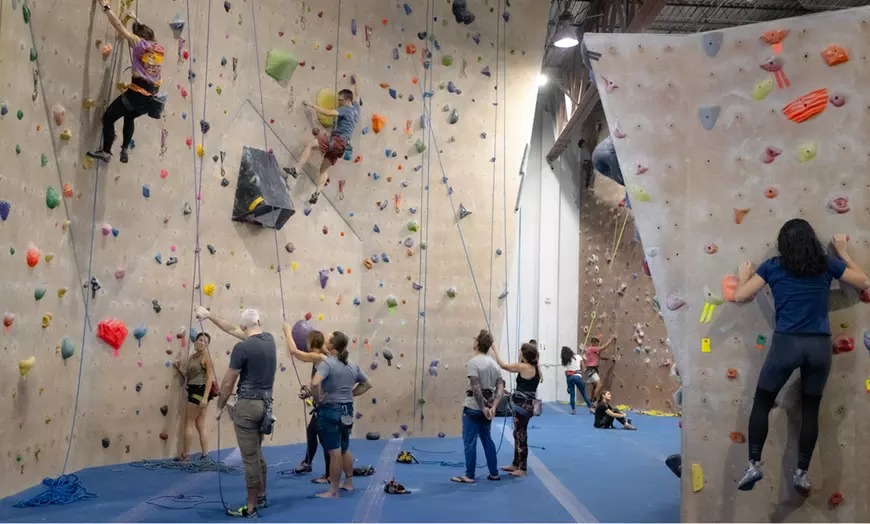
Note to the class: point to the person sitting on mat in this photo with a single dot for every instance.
(332, 146)
(593, 357)
(800, 279)
(574, 365)
(146, 62)
(483, 394)
(253, 364)
(333, 389)
(199, 375)
(316, 354)
(605, 414)
(522, 402)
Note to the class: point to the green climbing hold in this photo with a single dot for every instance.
(52, 199)
(11, 250)
(43, 160)
(67, 348)
(421, 147)
(17, 149)
(392, 302)
(32, 54)
(25, 12)
(18, 458)
(413, 226)
(280, 65)
(447, 60)
(20, 114)
(39, 293)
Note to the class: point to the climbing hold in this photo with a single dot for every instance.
(301, 330)
(835, 499)
(697, 478)
(391, 302)
(736, 436)
(164, 436)
(771, 192)
(463, 211)
(839, 204)
(638, 193)
(8, 320)
(113, 332)
(419, 146)
(39, 293)
(807, 152)
(146, 191)
(52, 198)
(711, 42)
(837, 99)
(609, 85)
(370, 298)
(158, 258)
(67, 348)
(451, 292)
(712, 298)
(106, 442)
(20, 114)
(729, 287)
(413, 226)
(5, 207)
(280, 65)
(46, 320)
(324, 277)
(835, 55)
(843, 344)
(462, 14)
(4, 109)
(866, 338)
(172, 261)
(61, 292)
(139, 333)
(106, 51)
(708, 115)
(378, 122)
(32, 256)
(762, 89)
(66, 135)
(138, 387)
(807, 106)
(59, 114)
(25, 365)
(208, 289)
(227, 5)
(453, 117)
(177, 26)
(740, 214)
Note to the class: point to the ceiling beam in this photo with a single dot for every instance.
(644, 16)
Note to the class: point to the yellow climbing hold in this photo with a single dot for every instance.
(712, 298)
(46, 320)
(294, 265)
(325, 99)
(807, 152)
(638, 193)
(762, 89)
(320, 316)
(87, 162)
(322, 298)
(66, 134)
(200, 151)
(208, 289)
(24, 366)
(697, 478)
(61, 292)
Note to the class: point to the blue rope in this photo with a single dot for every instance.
(65, 489)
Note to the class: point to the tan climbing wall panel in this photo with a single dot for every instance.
(338, 232)
(666, 89)
(623, 300)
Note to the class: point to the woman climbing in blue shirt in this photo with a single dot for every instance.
(800, 279)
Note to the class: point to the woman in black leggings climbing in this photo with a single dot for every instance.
(140, 98)
(800, 279)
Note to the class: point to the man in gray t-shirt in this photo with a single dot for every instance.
(339, 379)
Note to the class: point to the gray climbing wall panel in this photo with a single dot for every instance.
(622, 298)
(713, 198)
(381, 46)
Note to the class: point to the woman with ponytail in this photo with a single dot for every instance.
(522, 403)
(333, 388)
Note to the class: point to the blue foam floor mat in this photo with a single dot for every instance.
(581, 474)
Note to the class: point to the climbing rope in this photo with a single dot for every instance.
(187, 466)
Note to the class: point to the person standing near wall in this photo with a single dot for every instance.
(593, 357)
(574, 365)
(316, 354)
(333, 389)
(522, 403)
(482, 396)
(140, 97)
(199, 375)
(800, 279)
(253, 363)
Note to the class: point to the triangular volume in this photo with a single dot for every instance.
(261, 193)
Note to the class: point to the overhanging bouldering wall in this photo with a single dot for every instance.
(616, 288)
(716, 160)
(394, 205)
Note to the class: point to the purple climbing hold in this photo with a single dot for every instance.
(451, 87)
(5, 206)
(486, 72)
(385, 258)
(506, 16)
(404, 427)
(370, 298)
(395, 434)
(417, 286)
(358, 415)
(300, 332)
(324, 277)
(353, 26)
(441, 434)
(377, 229)
(374, 365)
(476, 38)
(409, 242)
(307, 210)
(407, 9)
(375, 258)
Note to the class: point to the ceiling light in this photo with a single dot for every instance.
(566, 38)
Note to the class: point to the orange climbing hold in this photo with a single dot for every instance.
(807, 106)
(32, 256)
(384, 85)
(368, 263)
(729, 287)
(737, 437)
(732, 373)
(378, 122)
(67, 190)
(771, 192)
(835, 55)
(410, 49)
(740, 214)
(774, 36)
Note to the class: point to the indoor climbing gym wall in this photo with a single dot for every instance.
(405, 251)
(618, 299)
(722, 137)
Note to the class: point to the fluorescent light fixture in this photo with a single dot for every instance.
(566, 38)
(542, 80)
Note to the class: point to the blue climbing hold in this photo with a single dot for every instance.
(139, 333)
(340, 270)
(356, 301)
(5, 206)
(407, 9)
(146, 191)
(393, 93)
(158, 258)
(385, 258)
(116, 232)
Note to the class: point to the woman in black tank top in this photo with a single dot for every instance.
(523, 401)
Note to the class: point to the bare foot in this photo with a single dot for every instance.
(348, 486)
(328, 495)
(508, 468)
(517, 473)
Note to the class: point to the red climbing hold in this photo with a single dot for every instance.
(164, 436)
(33, 256)
(835, 499)
(737, 437)
(806, 106)
(843, 344)
(732, 373)
(771, 192)
(113, 332)
(729, 287)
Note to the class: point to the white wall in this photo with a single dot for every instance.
(543, 303)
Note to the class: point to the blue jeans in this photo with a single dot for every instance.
(475, 425)
(333, 434)
(576, 381)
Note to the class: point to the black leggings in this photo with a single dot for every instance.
(810, 354)
(129, 106)
(311, 441)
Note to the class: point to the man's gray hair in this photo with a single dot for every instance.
(250, 318)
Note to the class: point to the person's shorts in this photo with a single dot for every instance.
(810, 353)
(333, 433)
(331, 146)
(195, 393)
(592, 374)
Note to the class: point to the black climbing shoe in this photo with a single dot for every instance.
(125, 155)
(313, 199)
(291, 171)
(100, 155)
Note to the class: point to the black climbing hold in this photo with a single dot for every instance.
(227, 6)
(395, 434)
(155, 304)
(388, 356)
(211, 249)
(204, 127)
(187, 209)
(461, 12)
(290, 247)
(106, 442)
(421, 35)
(138, 387)
(261, 192)
(223, 61)
(227, 285)
(225, 182)
(164, 409)
(373, 435)
(172, 261)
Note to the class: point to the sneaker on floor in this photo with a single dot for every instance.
(242, 512)
(262, 502)
(291, 171)
(752, 475)
(313, 199)
(801, 483)
(100, 155)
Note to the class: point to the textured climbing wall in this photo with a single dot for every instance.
(616, 290)
(726, 168)
(146, 212)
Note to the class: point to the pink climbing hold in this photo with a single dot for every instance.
(839, 205)
(674, 302)
(640, 169)
(164, 173)
(770, 154)
(59, 114)
(609, 85)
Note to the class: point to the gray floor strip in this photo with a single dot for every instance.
(369, 508)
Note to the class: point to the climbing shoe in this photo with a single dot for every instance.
(242, 512)
(801, 483)
(313, 199)
(752, 475)
(100, 155)
(291, 171)
(262, 502)
(125, 155)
